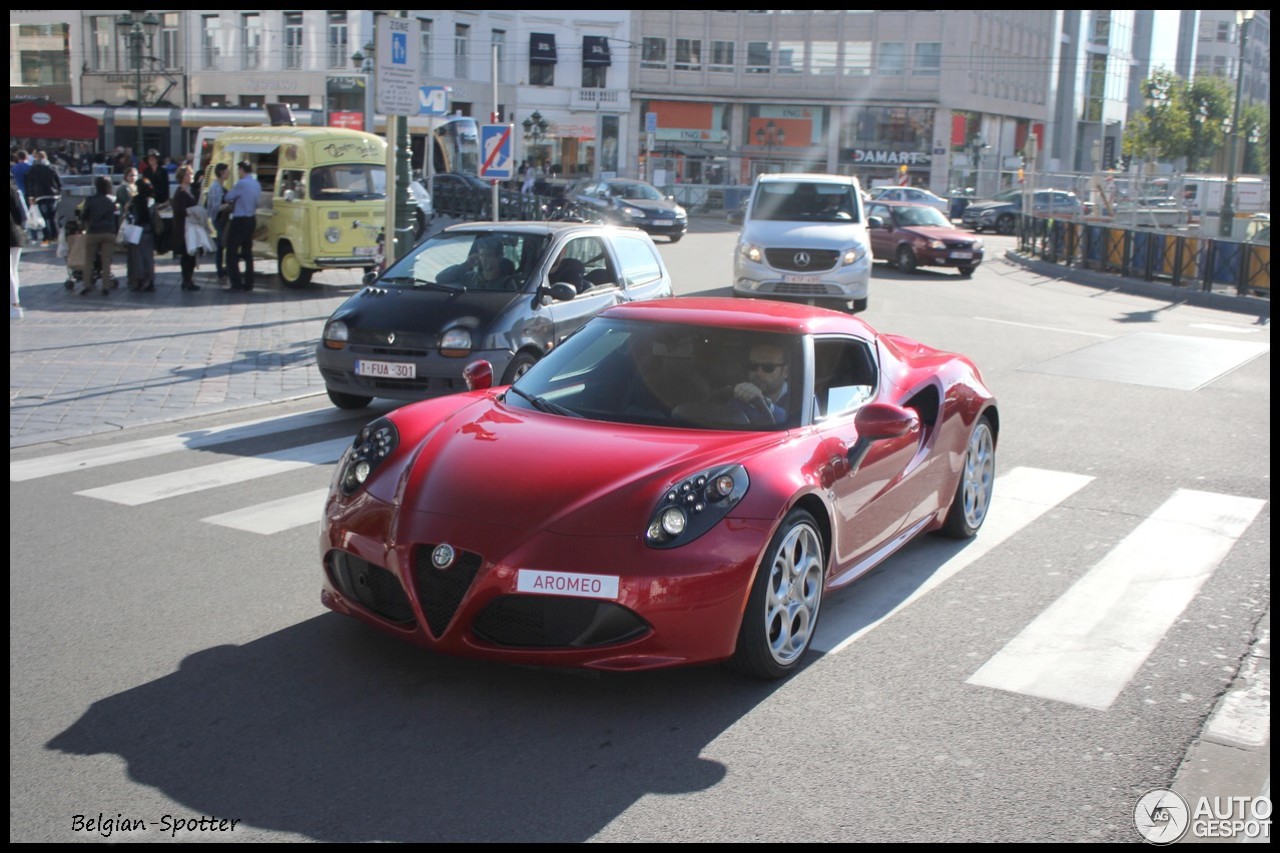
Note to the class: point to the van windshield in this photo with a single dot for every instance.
(803, 201)
(348, 182)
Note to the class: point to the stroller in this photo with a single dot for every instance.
(74, 234)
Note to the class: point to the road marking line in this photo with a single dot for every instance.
(162, 486)
(275, 516)
(78, 460)
(1043, 328)
(1086, 646)
(1020, 497)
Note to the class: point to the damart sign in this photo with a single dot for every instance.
(883, 157)
(1164, 817)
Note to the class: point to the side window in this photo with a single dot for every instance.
(883, 212)
(639, 260)
(292, 185)
(844, 376)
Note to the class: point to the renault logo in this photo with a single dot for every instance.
(391, 337)
(442, 556)
(802, 259)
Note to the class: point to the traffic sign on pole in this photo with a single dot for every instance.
(495, 152)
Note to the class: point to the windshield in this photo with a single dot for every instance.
(920, 215)
(631, 189)
(672, 375)
(791, 201)
(348, 182)
(471, 260)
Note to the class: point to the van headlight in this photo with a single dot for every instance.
(851, 255)
(751, 252)
(332, 235)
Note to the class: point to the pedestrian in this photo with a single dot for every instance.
(17, 237)
(527, 173)
(213, 204)
(156, 173)
(183, 200)
(244, 212)
(142, 254)
(98, 218)
(19, 173)
(128, 189)
(43, 188)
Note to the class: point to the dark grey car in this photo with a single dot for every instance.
(410, 333)
(635, 203)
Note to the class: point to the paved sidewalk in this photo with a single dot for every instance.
(80, 365)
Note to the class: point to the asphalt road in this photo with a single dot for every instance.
(170, 660)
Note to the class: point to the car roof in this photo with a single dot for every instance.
(771, 177)
(762, 315)
(536, 227)
(888, 202)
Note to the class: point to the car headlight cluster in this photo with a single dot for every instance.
(751, 252)
(631, 212)
(336, 335)
(455, 343)
(372, 445)
(693, 506)
(937, 245)
(849, 256)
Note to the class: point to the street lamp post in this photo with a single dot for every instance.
(770, 136)
(1226, 219)
(363, 62)
(535, 130)
(138, 27)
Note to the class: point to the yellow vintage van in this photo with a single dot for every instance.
(323, 194)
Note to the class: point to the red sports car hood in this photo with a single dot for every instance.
(531, 470)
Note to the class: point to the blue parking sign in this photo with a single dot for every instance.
(496, 152)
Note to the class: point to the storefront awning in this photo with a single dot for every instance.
(43, 120)
(542, 48)
(252, 147)
(595, 51)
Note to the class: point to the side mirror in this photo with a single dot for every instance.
(877, 422)
(478, 375)
(560, 291)
(875, 222)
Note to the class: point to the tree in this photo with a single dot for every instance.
(1182, 120)
(1209, 102)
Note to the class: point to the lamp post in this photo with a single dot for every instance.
(138, 28)
(769, 137)
(363, 62)
(535, 130)
(977, 145)
(1226, 219)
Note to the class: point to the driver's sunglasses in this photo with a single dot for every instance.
(764, 366)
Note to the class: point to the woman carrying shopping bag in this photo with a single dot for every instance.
(142, 255)
(183, 202)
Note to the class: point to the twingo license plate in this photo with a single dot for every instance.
(387, 369)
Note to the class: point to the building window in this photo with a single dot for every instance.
(928, 59)
(42, 55)
(688, 54)
(653, 52)
(823, 58)
(721, 56)
(1101, 32)
(1224, 32)
(790, 57)
(250, 102)
(292, 40)
(857, 59)
(759, 59)
(250, 41)
(338, 54)
(461, 39)
(891, 59)
(170, 56)
(499, 37)
(595, 76)
(100, 42)
(424, 46)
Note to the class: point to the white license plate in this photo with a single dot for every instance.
(802, 279)
(567, 583)
(366, 250)
(387, 369)
(962, 256)
(662, 223)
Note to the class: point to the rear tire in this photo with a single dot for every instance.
(348, 401)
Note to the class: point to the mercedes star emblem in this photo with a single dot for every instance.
(802, 259)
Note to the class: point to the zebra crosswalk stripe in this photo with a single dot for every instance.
(274, 516)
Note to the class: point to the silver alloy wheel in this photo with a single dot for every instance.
(978, 475)
(794, 594)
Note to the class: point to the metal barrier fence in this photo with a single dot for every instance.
(1184, 260)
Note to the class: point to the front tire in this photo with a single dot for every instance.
(518, 367)
(906, 259)
(786, 595)
(967, 272)
(675, 238)
(973, 492)
(857, 306)
(292, 273)
(348, 401)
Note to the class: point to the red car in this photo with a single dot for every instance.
(630, 503)
(914, 235)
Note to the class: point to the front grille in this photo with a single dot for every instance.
(785, 259)
(549, 622)
(440, 591)
(789, 288)
(406, 343)
(959, 245)
(372, 586)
